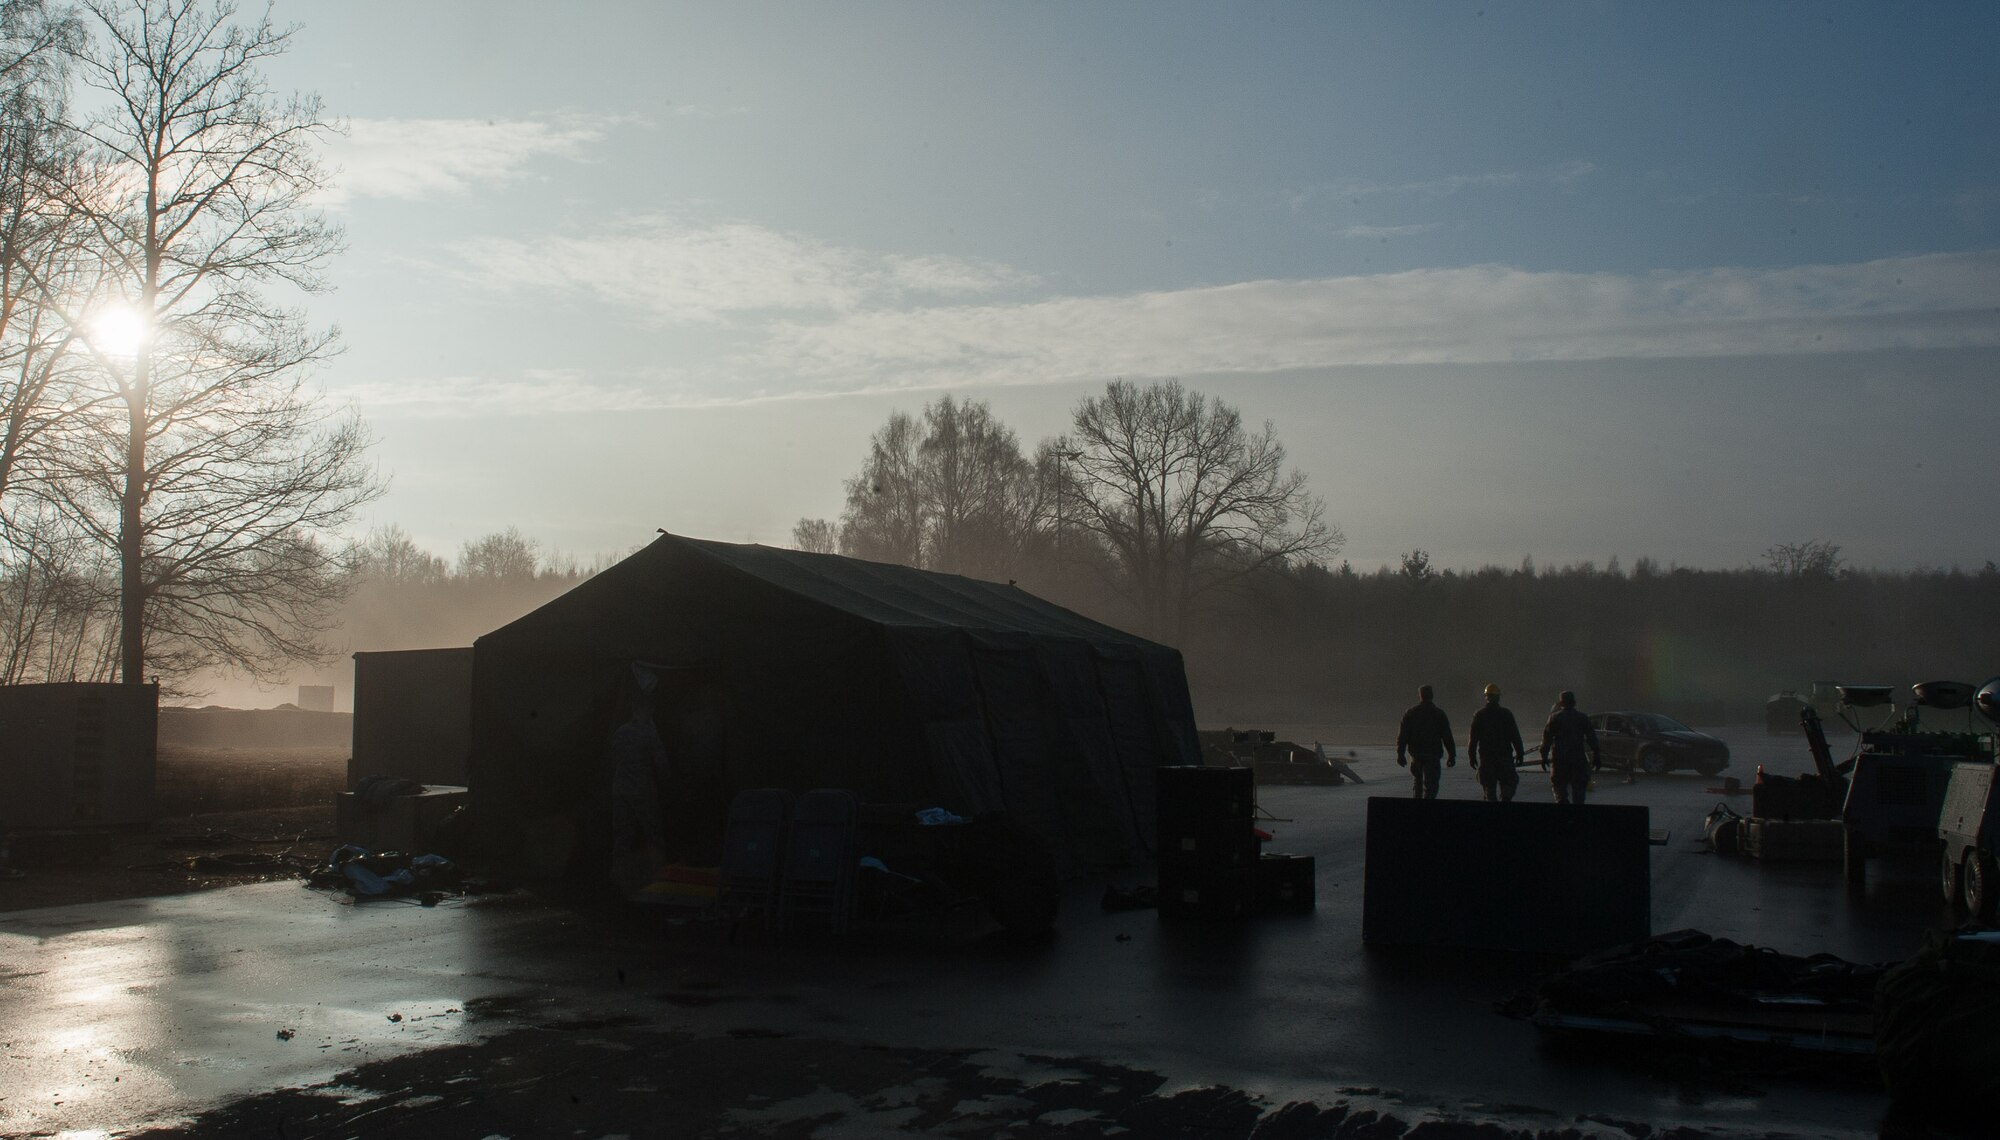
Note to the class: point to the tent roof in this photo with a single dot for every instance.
(875, 592)
(892, 595)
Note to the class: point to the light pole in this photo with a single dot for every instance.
(1062, 456)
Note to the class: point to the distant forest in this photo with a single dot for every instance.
(1707, 645)
(1275, 629)
(1306, 642)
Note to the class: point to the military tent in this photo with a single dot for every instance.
(778, 668)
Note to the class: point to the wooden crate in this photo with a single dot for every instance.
(1790, 840)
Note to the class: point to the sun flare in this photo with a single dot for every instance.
(119, 330)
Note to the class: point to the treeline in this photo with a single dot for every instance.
(386, 593)
(1308, 643)
(400, 596)
(1161, 512)
(1154, 505)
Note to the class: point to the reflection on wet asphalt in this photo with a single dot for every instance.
(488, 1009)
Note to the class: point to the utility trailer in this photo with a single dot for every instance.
(1898, 776)
(1969, 832)
(1969, 825)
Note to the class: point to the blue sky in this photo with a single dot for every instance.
(1562, 281)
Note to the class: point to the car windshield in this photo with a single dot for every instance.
(1652, 723)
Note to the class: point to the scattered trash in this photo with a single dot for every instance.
(287, 1034)
(395, 1017)
(1723, 827)
(1689, 987)
(231, 863)
(388, 874)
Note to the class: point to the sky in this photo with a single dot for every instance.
(1560, 281)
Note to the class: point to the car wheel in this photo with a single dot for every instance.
(1653, 762)
(1711, 767)
(1949, 880)
(1977, 878)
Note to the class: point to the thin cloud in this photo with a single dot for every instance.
(676, 272)
(847, 338)
(419, 159)
(1563, 175)
(1441, 316)
(1389, 231)
(534, 392)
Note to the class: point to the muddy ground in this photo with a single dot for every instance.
(226, 815)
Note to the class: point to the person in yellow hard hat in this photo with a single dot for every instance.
(1495, 748)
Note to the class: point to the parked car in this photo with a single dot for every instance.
(1655, 744)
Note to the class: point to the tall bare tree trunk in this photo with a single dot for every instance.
(132, 540)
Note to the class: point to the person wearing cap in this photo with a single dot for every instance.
(1493, 748)
(1566, 741)
(1424, 737)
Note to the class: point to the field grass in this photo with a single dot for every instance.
(196, 780)
(269, 808)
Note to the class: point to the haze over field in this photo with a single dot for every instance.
(1561, 281)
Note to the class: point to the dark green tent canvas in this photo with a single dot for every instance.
(779, 668)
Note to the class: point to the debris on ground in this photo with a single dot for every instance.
(1689, 988)
(1938, 1035)
(388, 875)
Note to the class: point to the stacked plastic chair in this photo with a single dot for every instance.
(753, 849)
(817, 886)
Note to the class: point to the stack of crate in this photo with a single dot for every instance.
(1793, 840)
(1208, 842)
(1285, 883)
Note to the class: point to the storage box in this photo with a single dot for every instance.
(1791, 840)
(401, 823)
(1285, 883)
(1207, 894)
(1575, 879)
(1194, 793)
(1211, 845)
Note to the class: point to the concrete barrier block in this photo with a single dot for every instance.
(1542, 878)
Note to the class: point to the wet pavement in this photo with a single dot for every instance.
(497, 1009)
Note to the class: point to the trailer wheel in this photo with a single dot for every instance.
(1949, 881)
(1978, 879)
(1854, 859)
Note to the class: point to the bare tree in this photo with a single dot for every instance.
(504, 556)
(978, 492)
(1187, 499)
(389, 556)
(220, 475)
(43, 255)
(1814, 559)
(816, 536)
(53, 585)
(948, 492)
(884, 517)
(58, 603)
